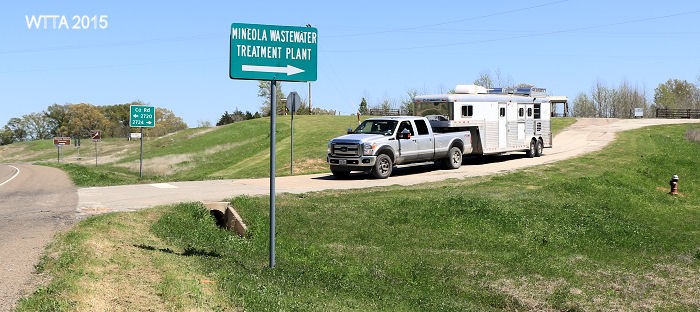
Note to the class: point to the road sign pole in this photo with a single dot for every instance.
(273, 112)
(95, 153)
(141, 156)
(58, 154)
(291, 150)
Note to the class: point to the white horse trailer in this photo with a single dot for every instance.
(500, 120)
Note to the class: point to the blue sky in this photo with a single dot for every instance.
(175, 54)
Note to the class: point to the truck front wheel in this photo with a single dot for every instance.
(382, 167)
(454, 158)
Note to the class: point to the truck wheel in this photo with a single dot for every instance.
(539, 150)
(341, 174)
(454, 158)
(382, 167)
(533, 149)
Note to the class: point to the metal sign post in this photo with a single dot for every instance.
(142, 116)
(293, 101)
(141, 156)
(96, 136)
(273, 112)
(273, 53)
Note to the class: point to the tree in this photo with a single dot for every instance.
(38, 126)
(225, 119)
(118, 117)
(363, 107)
(676, 93)
(166, 122)
(583, 106)
(264, 92)
(6, 136)
(18, 127)
(407, 103)
(58, 117)
(203, 124)
(484, 80)
(83, 118)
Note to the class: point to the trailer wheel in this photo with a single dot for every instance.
(532, 152)
(454, 158)
(539, 150)
(382, 167)
(340, 174)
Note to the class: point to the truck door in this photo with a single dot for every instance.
(502, 126)
(408, 148)
(424, 140)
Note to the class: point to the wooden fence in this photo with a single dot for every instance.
(677, 113)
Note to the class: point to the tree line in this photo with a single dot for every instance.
(77, 120)
(602, 101)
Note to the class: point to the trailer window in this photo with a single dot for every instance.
(467, 111)
(529, 112)
(421, 127)
(537, 111)
(502, 112)
(521, 112)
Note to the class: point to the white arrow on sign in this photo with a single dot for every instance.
(136, 116)
(289, 70)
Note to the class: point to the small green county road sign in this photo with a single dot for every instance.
(142, 116)
(271, 52)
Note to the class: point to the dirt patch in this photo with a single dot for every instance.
(693, 135)
(664, 286)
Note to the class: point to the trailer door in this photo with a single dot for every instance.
(521, 124)
(502, 126)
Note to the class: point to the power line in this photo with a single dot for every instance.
(449, 22)
(634, 21)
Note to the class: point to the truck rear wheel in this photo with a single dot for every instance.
(382, 167)
(454, 158)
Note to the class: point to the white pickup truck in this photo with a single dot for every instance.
(379, 144)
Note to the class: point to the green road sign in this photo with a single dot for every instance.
(142, 116)
(271, 52)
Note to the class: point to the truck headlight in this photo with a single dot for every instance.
(328, 148)
(368, 149)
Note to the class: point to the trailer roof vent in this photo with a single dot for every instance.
(470, 89)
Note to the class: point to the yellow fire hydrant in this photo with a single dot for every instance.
(674, 184)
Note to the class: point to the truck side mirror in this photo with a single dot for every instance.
(405, 134)
(350, 131)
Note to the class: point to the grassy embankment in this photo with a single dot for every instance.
(597, 233)
(239, 150)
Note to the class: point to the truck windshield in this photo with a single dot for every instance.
(383, 127)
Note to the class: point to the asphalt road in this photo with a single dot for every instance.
(35, 203)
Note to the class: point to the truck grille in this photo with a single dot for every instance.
(345, 150)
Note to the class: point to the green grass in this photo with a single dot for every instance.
(238, 150)
(598, 232)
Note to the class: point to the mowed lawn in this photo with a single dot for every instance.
(596, 233)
